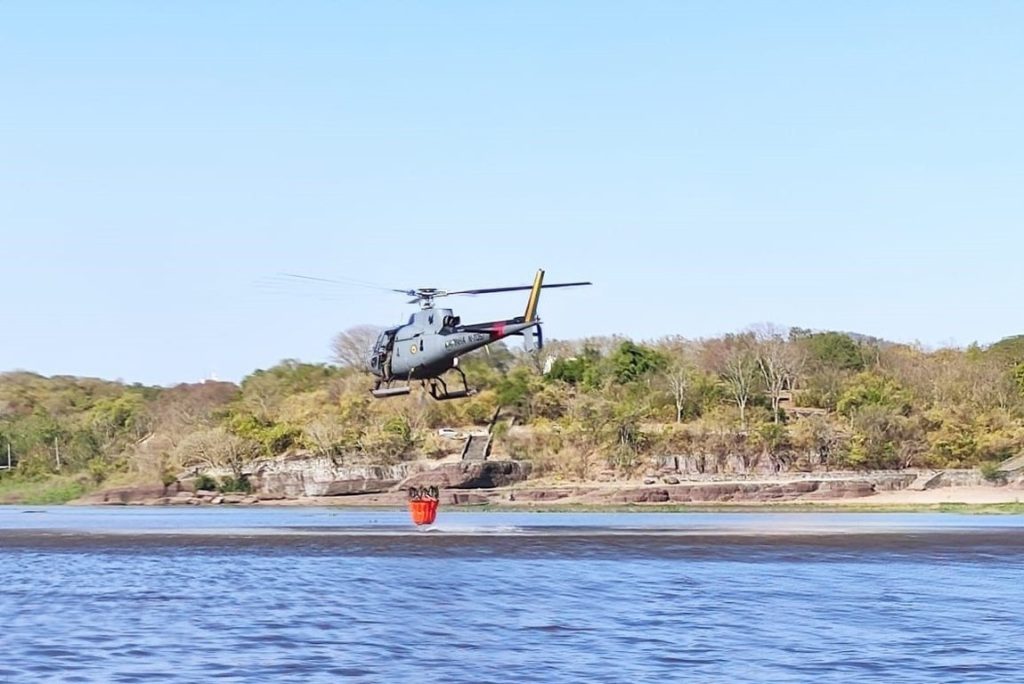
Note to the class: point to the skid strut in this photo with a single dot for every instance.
(439, 388)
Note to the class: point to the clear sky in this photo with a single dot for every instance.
(709, 165)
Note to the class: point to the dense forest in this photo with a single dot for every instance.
(608, 405)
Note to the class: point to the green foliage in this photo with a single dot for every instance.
(991, 472)
(585, 370)
(1009, 351)
(230, 484)
(772, 436)
(1018, 376)
(631, 362)
(206, 483)
(398, 426)
(883, 438)
(834, 350)
(123, 416)
(273, 437)
(872, 389)
(479, 409)
(514, 390)
(571, 371)
(41, 492)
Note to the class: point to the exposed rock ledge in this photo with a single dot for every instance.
(305, 478)
(309, 480)
(315, 476)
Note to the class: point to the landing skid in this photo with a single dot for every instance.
(391, 391)
(437, 388)
(388, 391)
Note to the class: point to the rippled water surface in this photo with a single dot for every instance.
(318, 595)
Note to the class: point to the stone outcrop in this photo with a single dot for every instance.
(548, 493)
(739, 492)
(321, 476)
(470, 475)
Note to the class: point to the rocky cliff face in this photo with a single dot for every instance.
(320, 476)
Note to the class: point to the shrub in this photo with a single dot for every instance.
(235, 484)
(206, 482)
(991, 472)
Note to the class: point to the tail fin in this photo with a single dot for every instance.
(531, 304)
(532, 338)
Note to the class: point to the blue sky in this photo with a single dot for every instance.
(853, 166)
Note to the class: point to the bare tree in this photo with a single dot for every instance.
(329, 434)
(351, 348)
(217, 448)
(733, 358)
(778, 362)
(678, 373)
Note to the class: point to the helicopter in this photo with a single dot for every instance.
(429, 344)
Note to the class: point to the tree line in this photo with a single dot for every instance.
(608, 406)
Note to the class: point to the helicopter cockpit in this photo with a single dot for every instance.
(380, 357)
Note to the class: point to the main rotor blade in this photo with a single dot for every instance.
(347, 282)
(491, 290)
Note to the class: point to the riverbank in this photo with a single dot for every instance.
(781, 494)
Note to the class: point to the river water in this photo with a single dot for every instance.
(325, 595)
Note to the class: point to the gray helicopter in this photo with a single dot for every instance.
(429, 345)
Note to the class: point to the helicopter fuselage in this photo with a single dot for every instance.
(431, 342)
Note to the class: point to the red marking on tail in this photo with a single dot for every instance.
(498, 330)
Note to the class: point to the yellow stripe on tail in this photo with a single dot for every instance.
(531, 304)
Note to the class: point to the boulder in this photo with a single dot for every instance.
(358, 486)
(543, 494)
(641, 495)
(470, 475)
(306, 475)
(842, 489)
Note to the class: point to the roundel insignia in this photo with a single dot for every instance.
(413, 349)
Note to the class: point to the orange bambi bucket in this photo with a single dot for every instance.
(423, 505)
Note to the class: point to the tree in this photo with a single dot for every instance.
(733, 358)
(871, 389)
(678, 370)
(217, 448)
(778, 361)
(631, 362)
(831, 350)
(351, 348)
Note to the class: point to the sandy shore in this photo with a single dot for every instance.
(977, 495)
